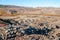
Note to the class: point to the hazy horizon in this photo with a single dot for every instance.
(32, 3)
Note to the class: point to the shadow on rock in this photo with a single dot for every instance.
(32, 30)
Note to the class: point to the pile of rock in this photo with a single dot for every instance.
(21, 29)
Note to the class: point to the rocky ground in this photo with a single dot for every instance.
(30, 28)
(23, 23)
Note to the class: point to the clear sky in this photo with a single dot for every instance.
(32, 3)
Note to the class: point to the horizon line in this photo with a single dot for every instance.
(31, 6)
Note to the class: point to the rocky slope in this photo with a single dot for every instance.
(22, 23)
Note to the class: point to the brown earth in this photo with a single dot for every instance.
(32, 23)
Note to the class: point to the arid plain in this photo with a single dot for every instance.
(26, 23)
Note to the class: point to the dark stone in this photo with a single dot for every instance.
(41, 24)
(1, 38)
(59, 38)
(57, 27)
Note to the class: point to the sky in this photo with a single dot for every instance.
(32, 3)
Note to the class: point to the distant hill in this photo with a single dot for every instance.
(11, 9)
